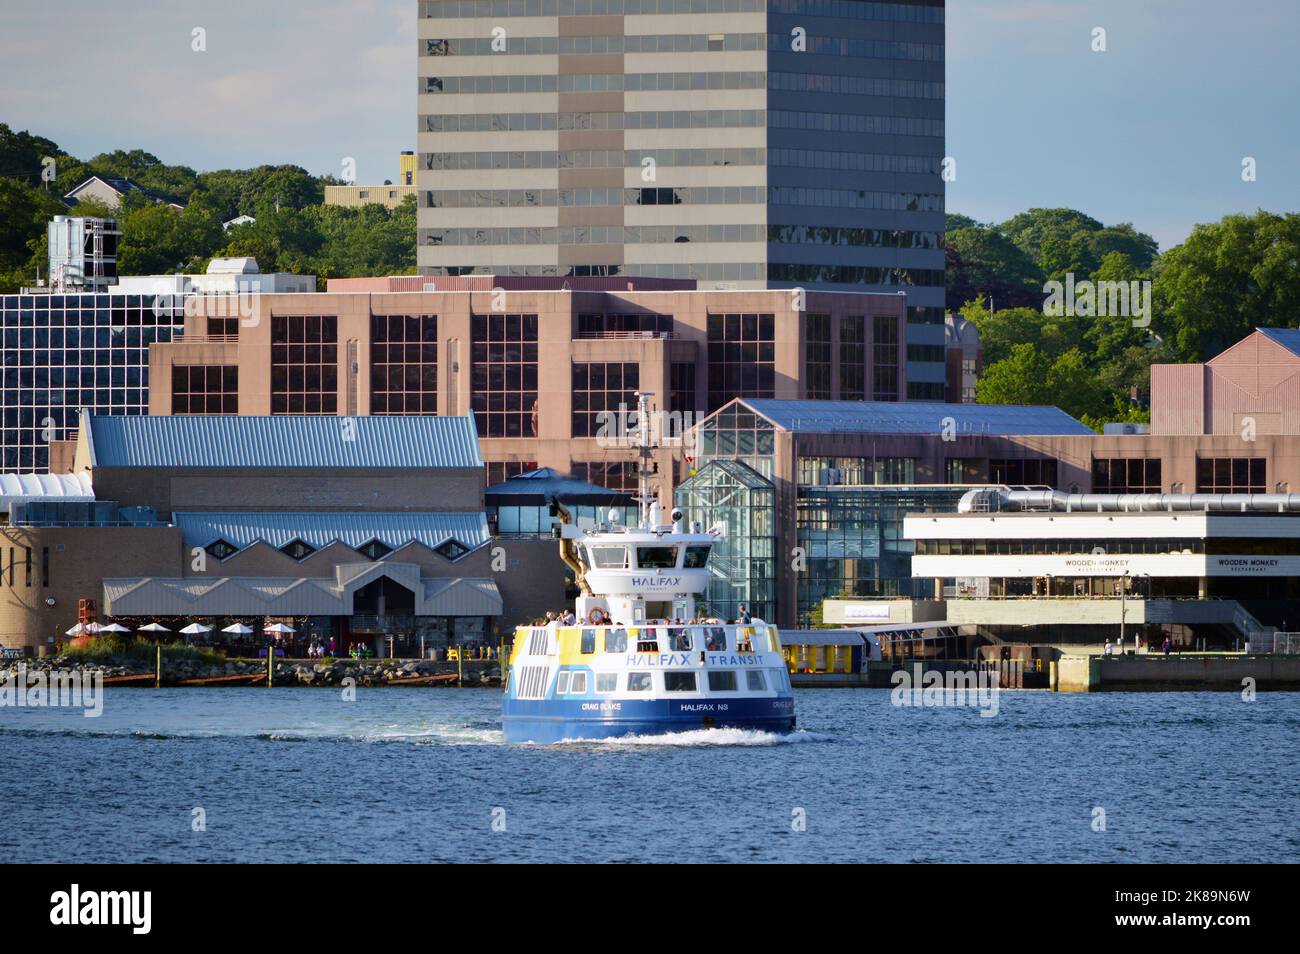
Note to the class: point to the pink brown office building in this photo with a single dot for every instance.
(535, 366)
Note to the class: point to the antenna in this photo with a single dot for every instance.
(644, 448)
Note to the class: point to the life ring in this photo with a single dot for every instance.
(596, 617)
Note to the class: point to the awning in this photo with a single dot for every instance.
(302, 596)
(820, 637)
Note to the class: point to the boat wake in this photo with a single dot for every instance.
(442, 734)
(697, 738)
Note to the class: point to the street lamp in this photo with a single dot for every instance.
(1123, 592)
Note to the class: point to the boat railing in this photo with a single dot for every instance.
(651, 638)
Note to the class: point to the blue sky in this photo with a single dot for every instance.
(1151, 131)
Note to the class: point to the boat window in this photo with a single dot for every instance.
(744, 643)
(609, 558)
(715, 639)
(679, 640)
(696, 558)
(679, 682)
(588, 641)
(656, 558)
(562, 684)
(647, 646)
(638, 682)
(754, 679)
(578, 685)
(616, 641)
(606, 681)
(722, 680)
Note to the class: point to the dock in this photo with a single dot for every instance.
(1184, 671)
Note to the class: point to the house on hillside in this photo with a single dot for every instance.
(111, 191)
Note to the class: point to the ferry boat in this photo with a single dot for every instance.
(637, 660)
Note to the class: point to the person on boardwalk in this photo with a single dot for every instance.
(1167, 646)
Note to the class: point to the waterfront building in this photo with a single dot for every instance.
(1014, 562)
(1252, 388)
(358, 529)
(523, 507)
(544, 371)
(814, 492)
(61, 352)
(738, 143)
(64, 352)
(818, 491)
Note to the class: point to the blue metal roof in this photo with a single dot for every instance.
(394, 530)
(913, 417)
(1288, 338)
(219, 440)
(546, 482)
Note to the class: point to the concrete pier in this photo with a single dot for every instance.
(1226, 672)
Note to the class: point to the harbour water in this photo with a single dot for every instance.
(422, 775)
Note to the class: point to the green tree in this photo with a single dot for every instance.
(145, 170)
(21, 155)
(1030, 230)
(158, 239)
(1020, 378)
(1061, 241)
(24, 212)
(1227, 279)
(1031, 376)
(236, 192)
(983, 261)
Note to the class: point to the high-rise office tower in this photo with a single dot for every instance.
(741, 143)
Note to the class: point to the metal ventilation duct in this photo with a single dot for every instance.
(995, 499)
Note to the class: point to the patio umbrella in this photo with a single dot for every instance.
(76, 630)
(195, 628)
(153, 628)
(114, 628)
(279, 628)
(239, 629)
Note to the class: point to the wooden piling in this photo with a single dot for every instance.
(157, 679)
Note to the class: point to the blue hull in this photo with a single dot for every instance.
(552, 721)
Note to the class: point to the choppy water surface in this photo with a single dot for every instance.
(422, 774)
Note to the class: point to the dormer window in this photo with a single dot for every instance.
(375, 550)
(221, 549)
(452, 549)
(297, 549)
